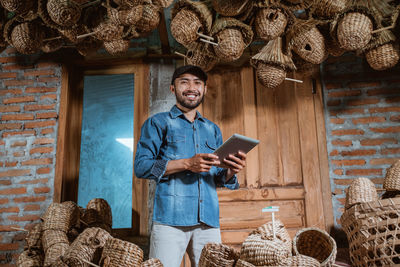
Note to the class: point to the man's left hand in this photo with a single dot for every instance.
(234, 163)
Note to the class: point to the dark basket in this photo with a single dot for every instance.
(382, 57)
(152, 263)
(202, 57)
(89, 45)
(270, 75)
(107, 31)
(217, 254)
(30, 259)
(64, 12)
(18, 6)
(231, 8)
(117, 252)
(354, 31)
(185, 26)
(149, 19)
(101, 207)
(27, 37)
(310, 45)
(117, 47)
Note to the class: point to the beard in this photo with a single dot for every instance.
(187, 103)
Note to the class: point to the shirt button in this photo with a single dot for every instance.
(201, 201)
(197, 145)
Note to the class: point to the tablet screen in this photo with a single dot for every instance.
(235, 143)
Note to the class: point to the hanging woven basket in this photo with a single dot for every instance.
(51, 45)
(306, 68)
(242, 263)
(202, 56)
(392, 177)
(230, 8)
(328, 8)
(18, 6)
(117, 47)
(361, 190)
(315, 243)
(152, 263)
(216, 254)
(270, 23)
(163, 3)
(117, 252)
(269, 75)
(382, 57)
(64, 12)
(27, 37)
(354, 31)
(107, 31)
(30, 259)
(149, 20)
(232, 37)
(300, 261)
(131, 16)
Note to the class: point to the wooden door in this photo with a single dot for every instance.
(288, 168)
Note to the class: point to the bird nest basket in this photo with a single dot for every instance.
(60, 217)
(51, 237)
(149, 19)
(126, 17)
(152, 263)
(266, 231)
(392, 177)
(27, 37)
(382, 57)
(361, 190)
(259, 251)
(230, 8)
(30, 259)
(64, 12)
(54, 252)
(372, 230)
(315, 243)
(354, 31)
(117, 252)
(270, 75)
(107, 31)
(328, 8)
(18, 6)
(300, 261)
(270, 22)
(232, 37)
(217, 254)
(34, 237)
(117, 47)
(201, 55)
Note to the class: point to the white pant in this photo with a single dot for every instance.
(169, 243)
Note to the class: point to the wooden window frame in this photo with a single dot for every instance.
(69, 136)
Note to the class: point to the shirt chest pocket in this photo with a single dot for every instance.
(175, 145)
(209, 146)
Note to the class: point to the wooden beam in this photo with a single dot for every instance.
(163, 33)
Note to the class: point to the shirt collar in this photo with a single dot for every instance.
(176, 112)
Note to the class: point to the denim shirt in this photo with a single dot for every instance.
(184, 198)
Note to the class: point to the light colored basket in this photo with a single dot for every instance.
(117, 47)
(361, 190)
(60, 217)
(34, 237)
(300, 261)
(152, 263)
(372, 230)
(53, 253)
(64, 12)
(242, 263)
(309, 44)
(382, 57)
(27, 37)
(107, 31)
(117, 252)
(266, 232)
(30, 259)
(149, 20)
(354, 31)
(217, 254)
(230, 8)
(392, 177)
(270, 23)
(51, 237)
(315, 243)
(328, 8)
(270, 75)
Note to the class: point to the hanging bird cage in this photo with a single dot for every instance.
(381, 53)
(107, 31)
(201, 55)
(117, 47)
(327, 8)
(271, 22)
(231, 8)
(27, 37)
(150, 18)
(19, 6)
(64, 12)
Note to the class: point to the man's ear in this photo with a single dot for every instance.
(172, 88)
(205, 89)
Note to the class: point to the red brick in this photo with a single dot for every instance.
(347, 132)
(48, 79)
(5, 75)
(11, 91)
(47, 131)
(13, 191)
(18, 143)
(36, 181)
(8, 59)
(392, 99)
(19, 154)
(343, 181)
(17, 117)
(32, 207)
(44, 141)
(363, 84)
(341, 142)
(9, 209)
(337, 121)
(395, 118)
(10, 126)
(46, 115)
(40, 124)
(7, 134)
(354, 172)
(8, 247)
(49, 96)
(383, 161)
(344, 93)
(377, 141)
(334, 153)
(13, 173)
(11, 164)
(9, 109)
(346, 111)
(21, 99)
(43, 161)
(39, 73)
(41, 150)
(4, 200)
(338, 172)
(40, 90)
(16, 67)
(338, 191)
(335, 102)
(394, 129)
(359, 152)
(2, 143)
(390, 151)
(25, 218)
(41, 190)
(361, 102)
(348, 162)
(29, 199)
(383, 91)
(384, 110)
(43, 170)
(331, 86)
(368, 120)
(39, 107)
(18, 82)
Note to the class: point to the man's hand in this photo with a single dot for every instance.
(202, 162)
(234, 163)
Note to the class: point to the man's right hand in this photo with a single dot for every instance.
(202, 162)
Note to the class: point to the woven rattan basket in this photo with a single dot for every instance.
(269, 75)
(392, 177)
(315, 243)
(382, 57)
(107, 31)
(281, 233)
(354, 31)
(51, 237)
(300, 261)
(128, 17)
(230, 8)
(328, 8)
(163, 3)
(270, 23)
(201, 55)
(27, 37)
(34, 237)
(117, 252)
(60, 217)
(242, 263)
(64, 12)
(30, 259)
(117, 47)
(372, 230)
(54, 252)
(260, 252)
(150, 18)
(152, 263)
(306, 68)
(102, 208)
(361, 190)
(217, 254)
(18, 6)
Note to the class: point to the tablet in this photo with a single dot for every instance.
(235, 143)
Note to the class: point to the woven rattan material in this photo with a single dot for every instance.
(34, 237)
(304, 67)
(270, 23)
(270, 76)
(334, 49)
(51, 237)
(18, 6)
(98, 211)
(328, 8)
(163, 3)
(310, 45)
(53, 253)
(281, 233)
(27, 37)
(300, 261)
(259, 251)
(117, 252)
(184, 27)
(392, 177)
(152, 263)
(107, 31)
(84, 247)
(230, 45)
(242, 263)
(150, 18)
(230, 7)
(383, 57)
(30, 259)
(361, 190)
(354, 31)
(60, 217)
(372, 230)
(88, 46)
(130, 16)
(217, 255)
(64, 12)
(199, 58)
(223, 24)
(315, 243)
(117, 47)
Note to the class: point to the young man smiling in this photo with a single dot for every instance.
(175, 149)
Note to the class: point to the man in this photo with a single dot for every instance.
(175, 149)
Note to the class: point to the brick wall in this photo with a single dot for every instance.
(29, 103)
(362, 115)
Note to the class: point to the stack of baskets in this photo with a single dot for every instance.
(371, 224)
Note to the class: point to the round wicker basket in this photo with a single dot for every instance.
(266, 232)
(230, 8)
(242, 263)
(300, 261)
(260, 252)
(184, 27)
(27, 37)
(152, 263)
(117, 47)
(310, 45)
(107, 31)
(149, 19)
(392, 177)
(117, 252)
(60, 217)
(270, 23)
(102, 207)
(64, 12)
(328, 8)
(354, 31)
(315, 243)
(360, 190)
(34, 237)
(18, 6)
(382, 57)
(216, 254)
(51, 237)
(270, 75)
(30, 259)
(53, 253)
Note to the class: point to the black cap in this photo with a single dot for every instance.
(195, 70)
